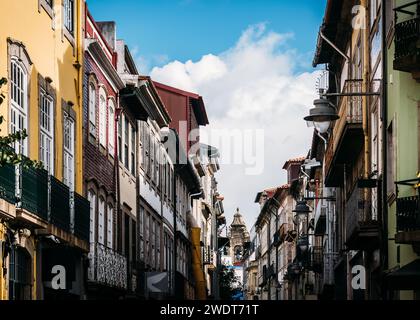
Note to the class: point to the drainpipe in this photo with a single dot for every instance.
(384, 101)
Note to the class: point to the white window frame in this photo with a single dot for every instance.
(68, 145)
(110, 226)
(102, 116)
(92, 229)
(101, 220)
(111, 127)
(19, 103)
(46, 126)
(68, 15)
(92, 109)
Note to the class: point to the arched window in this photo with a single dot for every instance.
(111, 127)
(102, 117)
(19, 103)
(92, 200)
(110, 226)
(101, 221)
(92, 109)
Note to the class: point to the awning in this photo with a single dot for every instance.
(405, 278)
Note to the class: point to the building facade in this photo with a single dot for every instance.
(44, 214)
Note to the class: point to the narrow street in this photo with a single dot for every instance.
(223, 152)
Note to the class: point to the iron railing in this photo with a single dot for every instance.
(8, 183)
(408, 214)
(407, 37)
(107, 267)
(60, 204)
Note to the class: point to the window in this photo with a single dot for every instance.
(102, 117)
(146, 237)
(68, 161)
(46, 144)
(92, 201)
(126, 141)
(141, 221)
(19, 103)
(92, 109)
(152, 242)
(101, 221)
(20, 274)
(111, 132)
(157, 245)
(110, 226)
(68, 15)
(120, 123)
(133, 151)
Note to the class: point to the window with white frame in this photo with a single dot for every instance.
(133, 151)
(68, 161)
(101, 221)
(111, 127)
(68, 15)
(126, 141)
(120, 124)
(110, 226)
(92, 229)
(102, 117)
(19, 103)
(92, 109)
(46, 123)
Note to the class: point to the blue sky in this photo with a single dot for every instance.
(251, 60)
(166, 30)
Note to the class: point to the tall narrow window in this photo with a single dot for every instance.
(68, 15)
(68, 161)
(101, 221)
(141, 227)
(92, 109)
(102, 117)
(111, 127)
(19, 103)
(120, 124)
(46, 122)
(110, 226)
(157, 246)
(133, 151)
(152, 242)
(92, 229)
(391, 161)
(126, 141)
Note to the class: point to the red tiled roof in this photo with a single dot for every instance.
(293, 161)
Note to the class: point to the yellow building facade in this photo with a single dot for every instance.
(41, 55)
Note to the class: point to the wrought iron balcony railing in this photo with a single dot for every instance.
(408, 214)
(107, 267)
(46, 197)
(317, 259)
(407, 38)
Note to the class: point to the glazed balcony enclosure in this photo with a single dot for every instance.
(43, 202)
(346, 140)
(407, 38)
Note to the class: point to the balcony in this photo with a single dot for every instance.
(316, 263)
(362, 230)
(7, 192)
(45, 203)
(107, 267)
(408, 220)
(407, 39)
(346, 140)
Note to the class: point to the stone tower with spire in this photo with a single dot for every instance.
(238, 235)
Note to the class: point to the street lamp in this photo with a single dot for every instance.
(322, 115)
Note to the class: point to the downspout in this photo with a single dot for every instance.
(384, 101)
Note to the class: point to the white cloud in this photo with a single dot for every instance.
(252, 85)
